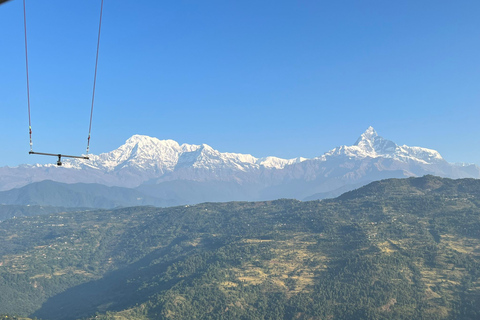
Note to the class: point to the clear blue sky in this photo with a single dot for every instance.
(282, 78)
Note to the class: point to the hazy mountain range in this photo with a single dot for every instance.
(147, 170)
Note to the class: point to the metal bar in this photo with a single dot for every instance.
(59, 154)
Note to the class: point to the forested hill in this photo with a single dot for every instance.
(428, 185)
(394, 249)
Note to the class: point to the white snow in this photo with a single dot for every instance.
(370, 144)
(144, 154)
(143, 159)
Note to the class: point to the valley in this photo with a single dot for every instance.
(394, 249)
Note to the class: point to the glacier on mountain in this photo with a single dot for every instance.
(147, 153)
(190, 173)
(370, 144)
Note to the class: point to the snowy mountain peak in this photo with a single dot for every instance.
(373, 144)
(145, 153)
(369, 135)
(146, 141)
(137, 138)
(147, 160)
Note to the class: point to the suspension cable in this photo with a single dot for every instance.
(28, 82)
(94, 78)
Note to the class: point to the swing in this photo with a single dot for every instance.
(59, 161)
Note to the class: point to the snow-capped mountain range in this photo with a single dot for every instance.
(163, 156)
(371, 145)
(187, 173)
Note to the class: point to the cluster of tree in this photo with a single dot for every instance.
(396, 249)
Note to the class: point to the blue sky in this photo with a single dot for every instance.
(282, 78)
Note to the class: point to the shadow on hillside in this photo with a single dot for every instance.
(117, 290)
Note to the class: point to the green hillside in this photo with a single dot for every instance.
(16, 211)
(395, 249)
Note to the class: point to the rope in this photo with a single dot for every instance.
(28, 82)
(94, 78)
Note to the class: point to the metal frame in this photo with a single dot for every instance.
(59, 155)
